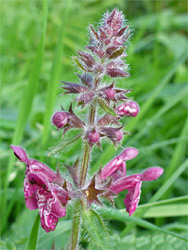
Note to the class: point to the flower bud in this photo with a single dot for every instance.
(110, 93)
(115, 72)
(128, 109)
(119, 135)
(93, 137)
(98, 69)
(60, 119)
(86, 58)
(152, 174)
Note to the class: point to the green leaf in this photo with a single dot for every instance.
(76, 225)
(103, 104)
(46, 238)
(64, 144)
(55, 72)
(7, 245)
(179, 97)
(33, 238)
(27, 100)
(117, 53)
(96, 230)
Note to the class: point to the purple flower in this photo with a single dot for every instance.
(116, 169)
(133, 184)
(43, 189)
(119, 162)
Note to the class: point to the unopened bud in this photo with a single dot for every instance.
(119, 135)
(115, 72)
(93, 137)
(60, 119)
(128, 109)
(110, 93)
(99, 68)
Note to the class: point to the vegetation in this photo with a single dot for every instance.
(37, 40)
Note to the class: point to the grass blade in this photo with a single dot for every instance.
(175, 161)
(27, 100)
(163, 202)
(167, 211)
(176, 157)
(164, 109)
(33, 238)
(55, 73)
(122, 216)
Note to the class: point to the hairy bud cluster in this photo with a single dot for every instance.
(104, 56)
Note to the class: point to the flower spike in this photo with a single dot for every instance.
(104, 105)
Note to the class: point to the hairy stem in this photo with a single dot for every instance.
(84, 164)
(82, 178)
(92, 113)
(76, 225)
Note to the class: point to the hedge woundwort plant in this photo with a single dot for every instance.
(51, 192)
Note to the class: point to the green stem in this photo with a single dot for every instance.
(92, 112)
(75, 225)
(84, 164)
(82, 178)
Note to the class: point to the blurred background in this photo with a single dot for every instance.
(37, 42)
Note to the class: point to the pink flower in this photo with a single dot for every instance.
(128, 109)
(133, 184)
(119, 161)
(116, 169)
(43, 189)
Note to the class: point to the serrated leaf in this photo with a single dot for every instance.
(96, 230)
(150, 241)
(117, 53)
(106, 107)
(64, 144)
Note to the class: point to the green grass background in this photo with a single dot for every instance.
(37, 40)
